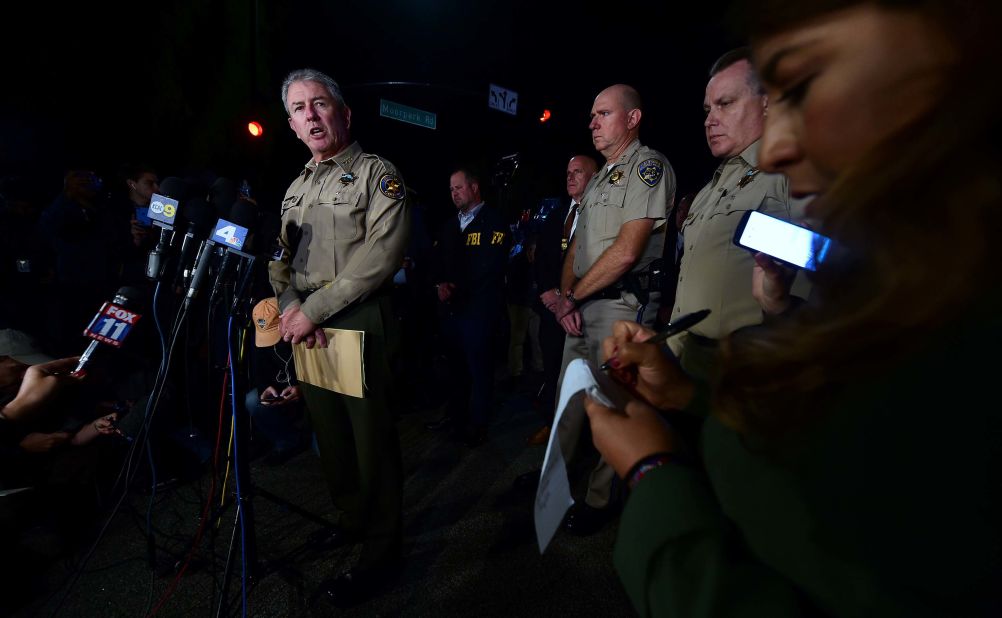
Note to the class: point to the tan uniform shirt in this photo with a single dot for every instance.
(344, 230)
(640, 185)
(715, 274)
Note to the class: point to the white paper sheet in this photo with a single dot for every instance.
(553, 496)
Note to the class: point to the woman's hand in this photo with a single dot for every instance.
(106, 425)
(648, 371)
(625, 437)
(771, 284)
(40, 385)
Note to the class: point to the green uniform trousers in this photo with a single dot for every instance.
(359, 446)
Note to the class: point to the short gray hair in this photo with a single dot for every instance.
(735, 56)
(311, 75)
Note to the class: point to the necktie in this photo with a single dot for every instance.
(569, 222)
(568, 228)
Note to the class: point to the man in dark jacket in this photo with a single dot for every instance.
(472, 254)
(555, 230)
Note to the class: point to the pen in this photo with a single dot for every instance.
(682, 324)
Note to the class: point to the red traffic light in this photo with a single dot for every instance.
(255, 128)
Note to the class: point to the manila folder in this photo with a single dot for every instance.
(338, 367)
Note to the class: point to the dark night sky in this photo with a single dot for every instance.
(175, 85)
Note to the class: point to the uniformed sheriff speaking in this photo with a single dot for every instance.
(344, 230)
(620, 231)
(716, 274)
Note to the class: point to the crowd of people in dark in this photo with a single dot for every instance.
(823, 443)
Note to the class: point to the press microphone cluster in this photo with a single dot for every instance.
(226, 241)
(243, 214)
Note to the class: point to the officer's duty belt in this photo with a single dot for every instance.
(384, 290)
(613, 292)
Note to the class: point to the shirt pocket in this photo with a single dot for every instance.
(291, 202)
(343, 218)
(690, 219)
(609, 207)
(740, 199)
(291, 222)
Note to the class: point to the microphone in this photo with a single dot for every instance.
(112, 323)
(268, 246)
(222, 195)
(199, 218)
(202, 260)
(238, 307)
(155, 262)
(176, 188)
(164, 211)
(243, 214)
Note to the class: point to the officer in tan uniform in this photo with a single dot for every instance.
(715, 274)
(620, 231)
(344, 230)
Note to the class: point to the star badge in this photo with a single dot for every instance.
(748, 177)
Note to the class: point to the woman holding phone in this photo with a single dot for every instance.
(849, 463)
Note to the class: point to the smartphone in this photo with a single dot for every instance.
(272, 399)
(143, 216)
(791, 244)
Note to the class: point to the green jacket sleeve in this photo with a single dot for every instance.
(678, 556)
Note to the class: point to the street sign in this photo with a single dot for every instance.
(503, 100)
(410, 115)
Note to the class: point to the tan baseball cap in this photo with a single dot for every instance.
(266, 323)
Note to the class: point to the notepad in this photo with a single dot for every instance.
(553, 494)
(340, 367)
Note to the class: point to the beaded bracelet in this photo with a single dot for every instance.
(649, 463)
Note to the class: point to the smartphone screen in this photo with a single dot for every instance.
(143, 216)
(789, 243)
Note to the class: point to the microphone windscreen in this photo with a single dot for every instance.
(243, 213)
(199, 213)
(132, 295)
(175, 188)
(270, 226)
(222, 194)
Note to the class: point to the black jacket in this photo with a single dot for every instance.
(474, 259)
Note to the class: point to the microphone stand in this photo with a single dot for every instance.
(240, 315)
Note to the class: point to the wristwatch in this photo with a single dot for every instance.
(570, 296)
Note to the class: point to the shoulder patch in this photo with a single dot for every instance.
(391, 186)
(651, 171)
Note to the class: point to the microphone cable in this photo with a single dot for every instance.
(172, 588)
(142, 437)
(236, 468)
